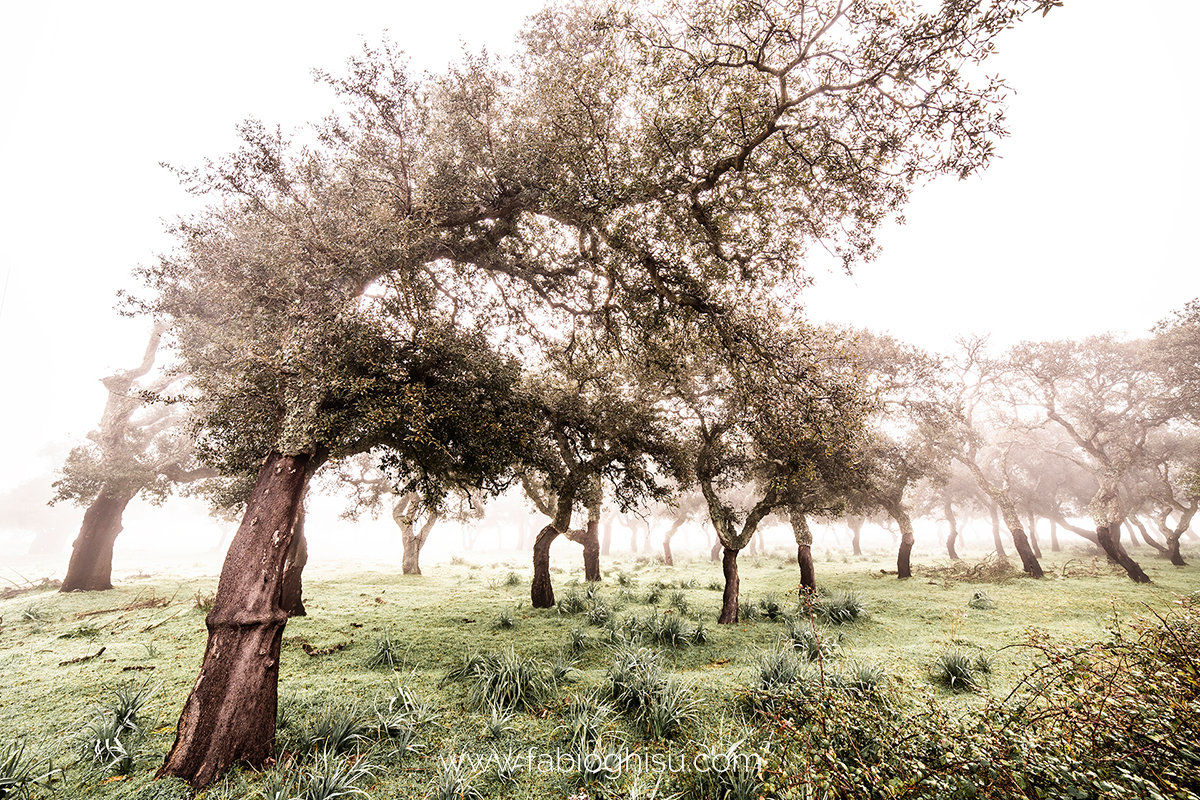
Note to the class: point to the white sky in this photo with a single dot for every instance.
(1083, 226)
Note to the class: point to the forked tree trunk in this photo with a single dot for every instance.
(229, 716)
(803, 534)
(292, 600)
(952, 537)
(729, 600)
(856, 525)
(1109, 538)
(90, 568)
(541, 592)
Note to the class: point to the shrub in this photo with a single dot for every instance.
(497, 725)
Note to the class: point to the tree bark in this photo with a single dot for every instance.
(1054, 545)
(676, 524)
(715, 553)
(903, 558)
(729, 600)
(591, 551)
(1033, 536)
(952, 537)
(803, 535)
(230, 714)
(1146, 537)
(292, 600)
(541, 592)
(1109, 538)
(90, 568)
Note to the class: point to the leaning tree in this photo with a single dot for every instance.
(632, 162)
(141, 447)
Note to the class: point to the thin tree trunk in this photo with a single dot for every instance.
(1109, 537)
(903, 558)
(676, 524)
(997, 540)
(90, 568)
(606, 541)
(1033, 536)
(803, 534)
(292, 599)
(715, 553)
(729, 600)
(952, 537)
(229, 716)
(1054, 545)
(591, 551)
(633, 539)
(856, 526)
(1137, 523)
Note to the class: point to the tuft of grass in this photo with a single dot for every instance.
(679, 601)
(204, 602)
(111, 741)
(385, 654)
(670, 709)
(21, 775)
(980, 600)
(843, 608)
(635, 677)
(331, 777)
(779, 667)
(504, 620)
(571, 602)
(453, 781)
(337, 729)
(586, 719)
(503, 680)
(498, 724)
(863, 678)
(954, 670)
(579, 640)
(770, 608)
(513, 579)
(85, 630)
(812, 644)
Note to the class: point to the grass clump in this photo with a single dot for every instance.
(844, 608)
(955, 670)
(980, 600)
(385, 654)
(21, 775)
(503, 680)
(112, 739)
(814, 644)
(586, 719)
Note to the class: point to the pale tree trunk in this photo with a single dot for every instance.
(714, 554)
(668, 558)
(412, 539)
(997, 540)
(1146, 537)
(1054, 545)
(855, 524)
(90, 568)
(606, 542)
(1033, 537)
(803, 534)
(952, 536)
(229, 717)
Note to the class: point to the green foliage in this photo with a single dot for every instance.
(454, 781)
(112, 739)
(337, 729)
(21, 775)
(506, 619)
(779, 667)
(635, 677)
(843, 608)
(672, 708)
(498, 724)
(814, 644)
(955, 670)
(385, 654)
(330, 777)
(504, 680)
(585, 722)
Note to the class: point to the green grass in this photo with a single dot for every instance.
(449, 612)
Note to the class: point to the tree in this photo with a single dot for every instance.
(1107, 397)
(141, 447)
(639, 162)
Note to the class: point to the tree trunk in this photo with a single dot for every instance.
(952, 537)
(715, 553)
(729, 600)
(1033, 537)
(1029, 561)
(90, 568)
(856, 525)
(803, 534)
(541, 592)
(1054, 545)
(292, 600)
(591, 551)
(903, 558)
(1109, 538)
(229, 716)
(1173, 549)
(606, 542)
(676, 524)
(1146, 537)
(997, 540)
(633, 539)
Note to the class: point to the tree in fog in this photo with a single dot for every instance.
(636, 163)
(141, 447)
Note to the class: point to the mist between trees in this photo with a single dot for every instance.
(566, 273)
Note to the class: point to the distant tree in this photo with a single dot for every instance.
(141, 447)
(1108, 397)
(902, 447)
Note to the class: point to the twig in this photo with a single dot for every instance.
(81, 659)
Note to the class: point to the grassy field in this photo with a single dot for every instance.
(64, 656)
